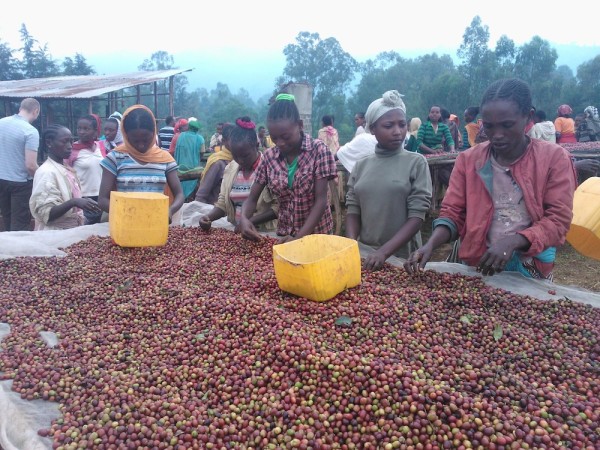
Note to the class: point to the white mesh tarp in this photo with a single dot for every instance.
(20, 420)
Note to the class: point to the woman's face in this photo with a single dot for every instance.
(286, 134)
(62, 145)
(359, 121)
(504, 124)
(141, 139)
(435, 114)
(244, 154)
(390, 129)
(110, 131)
(86, 131)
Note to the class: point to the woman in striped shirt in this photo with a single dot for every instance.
(139, 165)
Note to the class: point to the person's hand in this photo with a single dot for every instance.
(587, 165)
(87, 204)
(248, 230)
(497, 256)
(416, 260)
(205, 223)
(285, 239)
(374, 261)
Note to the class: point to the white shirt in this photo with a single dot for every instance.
(89, 172)
(358, 148)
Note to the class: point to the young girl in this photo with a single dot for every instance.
(85, 159)
(389, 192)
(238, 178)
(297, 170)
(56, 201)
(510, 199)
(139, 165)
(329, 135)
(112, 136)
(432, 133)
(212, 175)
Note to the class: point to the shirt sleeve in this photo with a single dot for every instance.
(448, 136)
(110, 163)
(419, 199)
(325, 164)
(351, 202)
(420, 136)
(262, 175)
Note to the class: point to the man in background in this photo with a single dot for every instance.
(19, 143)
(165, 134)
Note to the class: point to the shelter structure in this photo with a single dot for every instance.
(64, 99)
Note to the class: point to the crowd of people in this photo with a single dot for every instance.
(508, 203)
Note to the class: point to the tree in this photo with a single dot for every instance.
(77, 66)
(9, 65)
(478, 64)
(160, 60)
(589, 81)
(37, 62)
(535, 61)
(324, 65)
(505, 53)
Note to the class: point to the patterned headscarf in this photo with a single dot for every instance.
(592, 112)
(564, 110)
(390, 100)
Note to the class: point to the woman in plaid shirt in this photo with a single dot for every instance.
(297, 171)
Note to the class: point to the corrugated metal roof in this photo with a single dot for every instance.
(81, 86)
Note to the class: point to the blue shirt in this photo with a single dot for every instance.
(133, 176)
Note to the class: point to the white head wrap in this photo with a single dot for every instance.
(390, 100)
(592, 112)
(119, 117)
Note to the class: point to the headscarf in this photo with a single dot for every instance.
(179, 125)
(564, 110)
(223, 155)
(119, 117)
(592, 112)
(194, 125)
(454, 118)
(154, 154)
(415, 123)
(390, 100)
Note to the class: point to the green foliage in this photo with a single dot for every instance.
(77, 66)
(341, 85)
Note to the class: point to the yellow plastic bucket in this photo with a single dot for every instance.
(318, 266)
(139, 219)
(584, 233)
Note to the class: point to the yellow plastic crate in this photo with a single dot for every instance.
(139, 219)
(318, 266)
(584, 234)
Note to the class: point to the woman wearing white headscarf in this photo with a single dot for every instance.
(389, 192)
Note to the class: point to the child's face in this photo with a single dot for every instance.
(435, 114)
(62, 145)
(244, 154)
(286, 134)
(390, 129)
(504, 124)
(110, 131)
(86, 131)
(141, 139)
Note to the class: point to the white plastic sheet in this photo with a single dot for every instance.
(20, 420)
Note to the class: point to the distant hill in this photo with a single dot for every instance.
(257, 71)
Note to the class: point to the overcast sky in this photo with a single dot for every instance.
(94, 28)
(217, 38)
